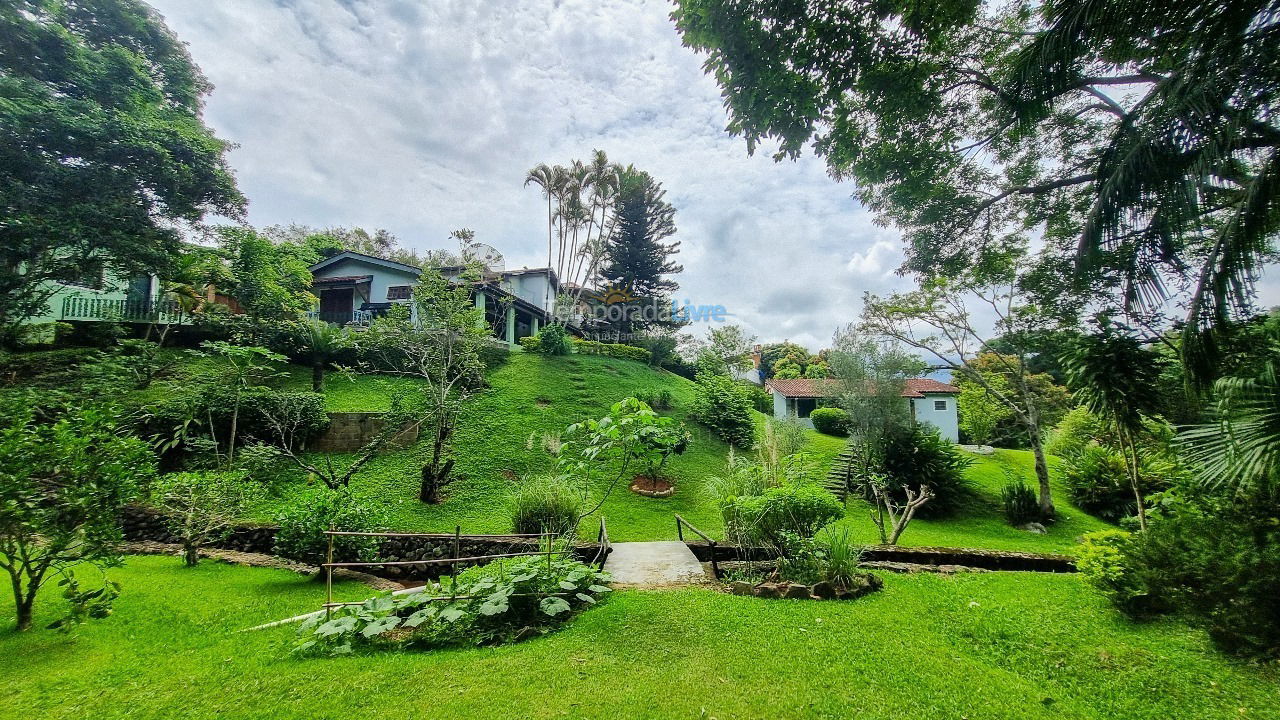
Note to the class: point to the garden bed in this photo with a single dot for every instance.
(654, 488)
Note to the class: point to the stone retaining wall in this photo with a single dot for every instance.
(144, 524)
(350, 431)
(966, 557)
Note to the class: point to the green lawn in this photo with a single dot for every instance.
(982, 524)
(1000, 645)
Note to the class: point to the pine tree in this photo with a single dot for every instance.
(638, 260)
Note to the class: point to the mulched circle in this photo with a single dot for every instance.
(652, 487)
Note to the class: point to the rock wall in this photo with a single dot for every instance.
(142, 524)
(966, 557)
(350, 431)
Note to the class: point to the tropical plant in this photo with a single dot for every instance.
(1122, 399)
(1136, 140)
(553, 340)
(504, 601)
(63, 486)
(916, 457)
(200, 508)
(240, 366)
(797, 508)
(1239, 451)
(323, 345)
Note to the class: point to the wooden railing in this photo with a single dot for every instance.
(681, 523)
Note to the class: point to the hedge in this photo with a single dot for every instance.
(614, 350)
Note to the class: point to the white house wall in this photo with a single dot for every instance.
(946, 421)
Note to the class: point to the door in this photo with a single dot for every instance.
(335, 305)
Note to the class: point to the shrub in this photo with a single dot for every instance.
(529, 343)
(1216, 561)
(1020, 503)
(499, 602)
(656, 399)
(1098, 482)
(720, 404)
(553, 340)
(547, 504)
(782, 437)
(47, 369)
(1077, 429)
(302, 524)
(917, 456)
(201, 508)
(614, 350)
(761, 399)
(842, 556)
(830, 421)
(798, 508)
(257, 406)
(1105, 562)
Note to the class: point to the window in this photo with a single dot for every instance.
(939, 404)
(399, 292)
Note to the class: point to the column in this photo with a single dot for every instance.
(511, 325)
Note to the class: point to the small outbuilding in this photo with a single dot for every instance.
(932, 402)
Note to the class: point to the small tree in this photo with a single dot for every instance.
(609, 447)
(439, 345)
(242, 365)
(202, 507)
(872, 374)
(62, 488)
(323, 344)
(980, 411)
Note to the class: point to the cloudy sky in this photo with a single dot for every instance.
(423, 117)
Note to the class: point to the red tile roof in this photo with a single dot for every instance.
(810, 388)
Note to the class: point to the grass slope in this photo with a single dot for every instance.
(499, 440)
(1000, 645)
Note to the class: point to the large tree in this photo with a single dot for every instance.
(1137, 138)
(103, 150)
(638, 258)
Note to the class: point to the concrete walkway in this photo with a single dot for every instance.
(654, 564)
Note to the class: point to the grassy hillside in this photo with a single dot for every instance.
(995, 646)
(499, 440)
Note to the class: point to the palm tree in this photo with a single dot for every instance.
(1240, 449)
(544, 176)
(1113, 376)
(324, 343)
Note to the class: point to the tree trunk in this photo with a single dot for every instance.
(22, 601)
(1042, 472)
(317, 377)
(190, 553)
(434, 477)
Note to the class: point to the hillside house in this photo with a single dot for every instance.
(932, 402)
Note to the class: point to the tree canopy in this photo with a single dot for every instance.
(103, 149)
(1136, 140)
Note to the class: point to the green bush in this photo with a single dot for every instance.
(529, 343)
(1216, 561)
(1077, 429)
(798, 508)
(546, 504)
(257, 404)
(721, 404)
(302, 524)
(919, 456)
(1105, 562)
(499, 602)
(830, 421)
(761, 399)
(614, 350)
(1021, 506)
(553, 340)
(656, 399)
(1098, 482)
(47, 369)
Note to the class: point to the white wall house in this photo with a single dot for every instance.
(932, 402)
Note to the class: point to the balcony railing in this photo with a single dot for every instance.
(355, 317)
(152, 310)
